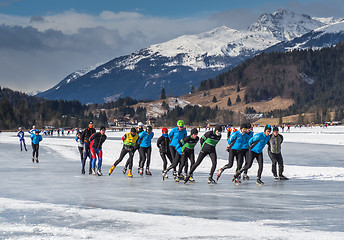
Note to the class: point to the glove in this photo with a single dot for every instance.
(227, 149)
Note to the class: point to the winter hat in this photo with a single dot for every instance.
(244, 125)
(180, 123)
(149, 129)
(275, 129)
(267, 127)
(194, 131)
(164, 130)
(133, 130)
(102, 128)
(140, 124)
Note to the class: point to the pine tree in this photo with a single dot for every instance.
(229, 102)
(238, 99)
(163, 94)
(214, 99)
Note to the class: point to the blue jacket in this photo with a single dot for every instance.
(246, 137)
(235, 141)
(175, 136)
(145, 139)
(36, 139)
(258, 142)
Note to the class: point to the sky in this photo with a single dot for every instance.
(41, 42)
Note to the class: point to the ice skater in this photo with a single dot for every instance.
(208, 142)
(145, 140)
(235, 143)
(81, 150)
(185, 151)
(96, 142)
(175, 135)
(275, 154)
(246, 137)
(257, 144)
(164, 149)
(35, 139)
(20, 134)
(85, 137)
(129, 143)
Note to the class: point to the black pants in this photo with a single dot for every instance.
(87, 153)
(248, 164)
(173, 154)
(164, 157)
(244, 154)
(124, 152)
(276, 158)
(234, 153)
(128, 160)
(81, 151)
(145, 153)
(22, 142)
(35, 148)
(184, 161)
(176, 161)
(201, 156)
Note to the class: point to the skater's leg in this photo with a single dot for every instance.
(164, 160)
(273, 158)
(198, 162)
(260, 165)
(149, 153)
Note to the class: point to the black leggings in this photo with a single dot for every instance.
(145, 153)
(175, 162)
(81, 151)
(173, 154)
(244, 154)
(201, 156)
(87, 153)
(124, 152)
(276, 158)
(35, 148)
(234, 153)
(248, 164)
(128, 162)
(184, 162)
(164, 159)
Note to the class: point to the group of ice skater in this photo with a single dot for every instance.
(177, 150)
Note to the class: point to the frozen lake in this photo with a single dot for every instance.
(52, 200)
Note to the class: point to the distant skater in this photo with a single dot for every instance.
(20, 134)
(244, 151)
(85, 136)
(35, 139)
(275, 154)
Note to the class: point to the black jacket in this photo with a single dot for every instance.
(163, 144)
(86, 134)
(98, 139)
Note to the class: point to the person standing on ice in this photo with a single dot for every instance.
(96, 142)
(129, 143)
(175, 135)
(235, 143)
(139, 130)
(20, 134)
(208, 142)
(256, 146)
(244, 151)
(145, 140)
(274, 152)
(33, 130)
(85, 136)
(35, 139)
(81, 150)
(164, 149)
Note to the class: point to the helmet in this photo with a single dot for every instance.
(180, 123)
(133, 130)
(33, 126)
(149, 129)
(164, 130)
(140, 124)
(37, 131)
(20, 128)
(194, 131)
(218, 128)
(90, 125)
(102, 128)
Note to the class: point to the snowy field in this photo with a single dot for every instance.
(52, 200)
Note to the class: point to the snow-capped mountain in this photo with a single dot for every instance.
(183, 62)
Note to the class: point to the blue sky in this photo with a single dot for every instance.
(49, 39)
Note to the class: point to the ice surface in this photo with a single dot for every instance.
(51, 200)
